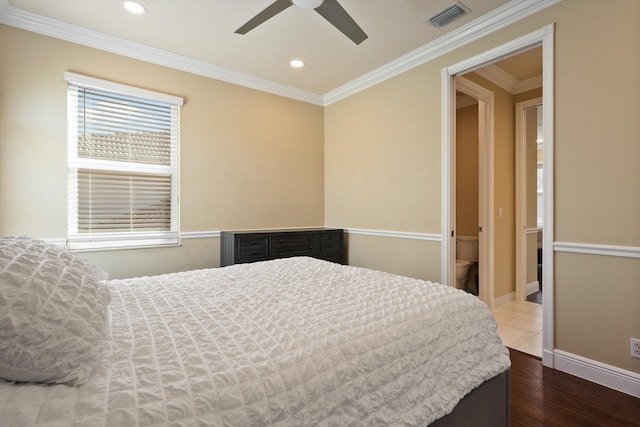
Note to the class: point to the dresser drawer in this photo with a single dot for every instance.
(331, 241)
(330, 256)
(294, 243)
(249, 246)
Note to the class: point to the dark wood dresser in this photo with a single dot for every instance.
(260, 245)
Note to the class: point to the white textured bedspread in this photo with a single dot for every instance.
(287, 342)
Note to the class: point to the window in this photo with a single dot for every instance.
(123, 165)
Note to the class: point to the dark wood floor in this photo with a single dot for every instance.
(535, 297)
(546, 397)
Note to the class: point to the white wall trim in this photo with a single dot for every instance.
(506, 81)
(580, 248)
(597, 249)
(499, 77)
(493, 21)
(548, 131)
(30, 21)
(394, 234)
(501, 17)
(56, 241)
(497, 302)
(531, 83)
(532, 287)
(200, 234)
(598, 372)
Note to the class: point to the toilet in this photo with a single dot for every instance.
(466, 254)
(462, 270)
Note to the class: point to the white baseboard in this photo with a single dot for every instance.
(533, 287)
(497, 302)
(597, 372)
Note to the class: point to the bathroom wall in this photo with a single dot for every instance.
(467, 171)
(504, 186)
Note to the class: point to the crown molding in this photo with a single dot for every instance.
(508, 14)
(29, 21)
(467, 101)
(531, 83)
(501, 17)
(506, 81)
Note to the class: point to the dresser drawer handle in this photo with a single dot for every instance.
(253, 242)
(310, 246)
(279, 240)
(253, 252)
(279, 249)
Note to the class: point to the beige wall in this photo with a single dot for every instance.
(383, 167)
(382, 172)
(409, 257)
(467, 165)
(248, 159)
(382, 161)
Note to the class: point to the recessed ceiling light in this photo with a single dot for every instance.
(135, 7)
(296, 63)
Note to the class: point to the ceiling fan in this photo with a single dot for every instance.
(329, 9)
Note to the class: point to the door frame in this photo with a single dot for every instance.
(544, 37)
(521, 196)
(485, 99)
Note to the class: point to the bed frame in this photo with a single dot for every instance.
(488, 405)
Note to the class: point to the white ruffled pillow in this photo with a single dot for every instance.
(51, 251)
(52, 317)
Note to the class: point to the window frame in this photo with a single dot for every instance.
(77, 240)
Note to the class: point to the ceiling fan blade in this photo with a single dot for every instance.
(339, 18)
(271, 11)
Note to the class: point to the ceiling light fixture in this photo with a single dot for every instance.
(134, 7)
(297, 63)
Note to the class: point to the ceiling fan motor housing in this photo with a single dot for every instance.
(307, 4)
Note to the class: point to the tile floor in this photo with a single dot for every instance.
(520, 326)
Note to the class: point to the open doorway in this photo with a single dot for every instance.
(544, 38)
(513, 229)
(472, 195)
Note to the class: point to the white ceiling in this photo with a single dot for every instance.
(202, 32)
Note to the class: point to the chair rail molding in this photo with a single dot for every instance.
(597, 249)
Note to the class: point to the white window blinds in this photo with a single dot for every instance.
(123, 165)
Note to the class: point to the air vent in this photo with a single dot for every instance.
(449, 15)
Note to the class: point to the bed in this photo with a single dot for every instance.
(288, 342)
